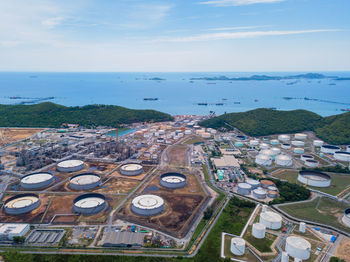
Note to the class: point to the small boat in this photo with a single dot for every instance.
(219, 104)
(150, 98)
(202, 104)
(224, 99)
(256, 100)
(237, 103)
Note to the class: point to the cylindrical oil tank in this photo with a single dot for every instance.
(342, 156)
(284, 138)
(84, 181)
(272, 194)
(274, 142)
(147, 205)
(264, 160)
(271, 220)
(330, 149)
(298, 247)
(244, 189)
(206, 135)
(68, 166)
(254, 142)
(264, 146)
(259, 193)
(346, 217)
(298, 143)
(272, 188)
(237, 246)
(286, 146)
(305, 157)
(302, 227)
(284, 160)
(266, 183)
(253, 183)
(318, 143)
(311, 163)
(299, 150)
(36, 181)
(348, 148)
(89, 204)
(21, 204)
(258, 230)
(276, 150)
(268, 152)
(314, 178)
(173, 180)
(300, 136)
(131, 169)
(264, 208)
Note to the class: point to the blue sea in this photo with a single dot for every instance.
(177, 94)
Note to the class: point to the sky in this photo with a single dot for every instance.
(174, 35)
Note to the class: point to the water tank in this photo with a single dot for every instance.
(271, 220)
(284, 138)
(329, 149)
(342, 156)
(264, 160)
(318, 143)
(300, 136)
(259, 193)
(244, 189)
(258, 230)
(302, 227)
(311, 163)
(284, 160)
(276, 150)
(237, 246)
(264, 146)
(272, 194)
(298, 247)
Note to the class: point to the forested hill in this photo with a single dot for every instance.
(53, 115)
(262, 122)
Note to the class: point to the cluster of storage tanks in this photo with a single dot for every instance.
(206, 133)
(258, 189)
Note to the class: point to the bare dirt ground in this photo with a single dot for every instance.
(343, 249)
(12, 135)
(178, 155)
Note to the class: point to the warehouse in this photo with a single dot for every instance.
(114, 238)
(9, 231)
(226, 161)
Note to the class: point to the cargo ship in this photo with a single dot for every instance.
(150, 98)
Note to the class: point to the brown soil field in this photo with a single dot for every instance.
(59, 205)
(343, 249)
(117, 186)
(12, 135)
(177, 155)
(34, 216)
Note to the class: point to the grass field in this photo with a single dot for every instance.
(263, 245)
(339, 181)
(320, 210)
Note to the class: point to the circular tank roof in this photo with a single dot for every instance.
(89, 200)
(36, 178)
(244, 185)
(342, 153)
(173, 177)
(21, 201)
(85, 179)
(148, 201)
(131, 167)
(298, 242)
(70, 163)
(331, 147)
(315, 175)
(271, 216)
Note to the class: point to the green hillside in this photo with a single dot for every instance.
(53, 115)
(262, 122)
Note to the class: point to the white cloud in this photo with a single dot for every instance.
(240, 35)
(52, 22)
(236, 28)
(238, 2)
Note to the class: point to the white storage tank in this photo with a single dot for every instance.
(300, 136)
(259, 193)
(36, 181)
(254, 142)
(346, 217)
(285, 257)
(264, 146)
(314, 178)
(131, 169)
(348, 148)
(253, 183)
(298, 247)
(206, 135)
(284, 160)
(21, 204)
(147, 205)
(271, 220)
(68, 166)
(244, 189)
(342, 156)
(306, 157)
(286, 146)
(237, 246)
(298, 143)
(284, 138)
(318, 143)
(311, 163)
(329, 149)
(302, 227)
(276, 150)
(299, 150)
(188, 132)
(263, 160)
(272, 194)
(90, 203)
(274, 142)
(268, 152)
(84, 181)
(258, 230)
